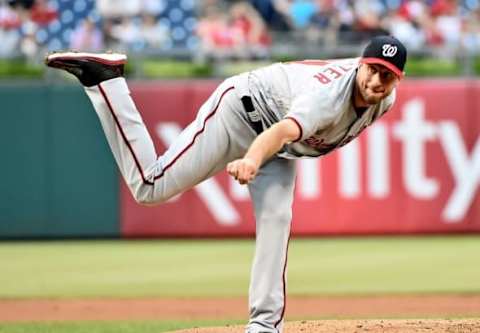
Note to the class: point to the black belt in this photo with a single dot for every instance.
(252, 114)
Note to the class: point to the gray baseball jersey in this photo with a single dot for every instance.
(315, 94)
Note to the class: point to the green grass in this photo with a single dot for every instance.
(124, 268)
(192, 268)
(429, 67)
(386, 265)
(173, 69)
(106, 326)
(20, 69)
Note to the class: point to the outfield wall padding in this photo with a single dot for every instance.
(416, 171)
(58, 176)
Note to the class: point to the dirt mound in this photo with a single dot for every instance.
(364, 326)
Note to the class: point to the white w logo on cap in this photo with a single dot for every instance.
(389, 51)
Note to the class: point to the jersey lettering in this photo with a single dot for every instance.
(320, 145)
(331, 73)
(314, 142)
(322, 78)
(336, 74)
(323, 147)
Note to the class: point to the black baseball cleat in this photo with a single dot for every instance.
(89, 68)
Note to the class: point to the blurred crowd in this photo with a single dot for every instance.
(31, 27)
(233, 29)
(447, 25)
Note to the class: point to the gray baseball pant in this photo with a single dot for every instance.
(220, 133)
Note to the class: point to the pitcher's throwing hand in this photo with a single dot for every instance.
(243, 170)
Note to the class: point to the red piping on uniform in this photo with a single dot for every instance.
(195, 136)
(310, 62)
(137, 163)
(299, 127)
(284, 285)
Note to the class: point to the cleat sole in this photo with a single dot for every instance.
(113, 59)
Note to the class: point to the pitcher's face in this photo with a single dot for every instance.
(375, 82)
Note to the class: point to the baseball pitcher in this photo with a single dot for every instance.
(255, 125)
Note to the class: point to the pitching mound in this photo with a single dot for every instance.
(363, 326)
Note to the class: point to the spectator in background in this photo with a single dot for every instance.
(368, 15)
(408, 23)
(448, 23)
(297, 13)
(87, 36)
(28, 44)
(219, 39)
(153, 7)
(346, 20)
(126, 34)
(118, 29)
(301, 12)
(471, 32)
(409, 31)
(240, 29)
(325, 23)
(28, 16)
(10, 24)
(239, 33)
(221, 5)
(153, 33)
(22, 7)
(269, 10)
(113, 9)
(132, 24)
(435, 23)
(42, 13)
(255, 39)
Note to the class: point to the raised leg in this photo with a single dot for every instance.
(202, 149)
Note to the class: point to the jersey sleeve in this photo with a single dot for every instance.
(308, 113)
